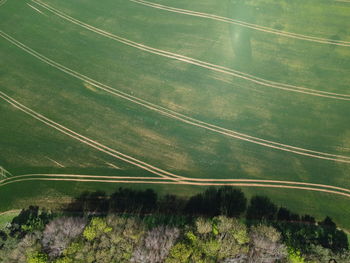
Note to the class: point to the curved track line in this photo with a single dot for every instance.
(35, 9)
(10, 211)
(86, 140)
(83, 176)
(244, 24)
(152, 169)
(196, 62)
(3, 2)
(176, 115)
(319, 186)
(184, 183)
(37, 116)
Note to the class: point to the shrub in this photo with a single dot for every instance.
(180, 253)
(37, 258)
(203, 226)
(30, 220)
(234, 227)
(97, 227)
(233, 237)
(295, 256)
(112, 239)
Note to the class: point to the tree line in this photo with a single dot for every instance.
(300, 231)
(216, 225)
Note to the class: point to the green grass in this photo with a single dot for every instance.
(28, 146)
(55, 194)
(7, 217)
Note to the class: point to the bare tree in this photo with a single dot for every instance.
(156, 245)
(266, 246)
(60, 232)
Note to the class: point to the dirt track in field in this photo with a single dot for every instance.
(179, 116)
(144, 180)
(196, 62)
(245, 24)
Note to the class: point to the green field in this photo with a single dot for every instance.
(7, 217)
(57, 56)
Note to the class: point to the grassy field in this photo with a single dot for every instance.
(289, 117)
(7, 217)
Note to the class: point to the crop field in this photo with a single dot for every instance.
(176, 95)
